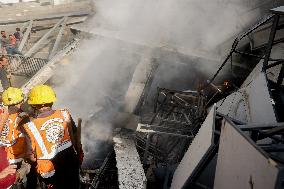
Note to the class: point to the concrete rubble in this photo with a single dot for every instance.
(130, 170)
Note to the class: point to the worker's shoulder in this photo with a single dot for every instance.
(64, 110)
(66, 113)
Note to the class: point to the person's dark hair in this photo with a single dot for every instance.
(38, 106)
(49, 104)
(18, 29)
(2, 31)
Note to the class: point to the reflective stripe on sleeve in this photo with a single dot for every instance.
(48, 174)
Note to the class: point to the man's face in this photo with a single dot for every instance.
(3, 33)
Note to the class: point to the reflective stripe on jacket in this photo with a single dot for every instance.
(49, 136)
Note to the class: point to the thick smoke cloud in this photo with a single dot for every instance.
(185, 25)
(93, 83)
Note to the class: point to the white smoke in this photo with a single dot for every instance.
(93, 84)
(193, 25)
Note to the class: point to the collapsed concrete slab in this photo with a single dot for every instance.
(130, 170)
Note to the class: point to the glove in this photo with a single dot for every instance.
(23, 171)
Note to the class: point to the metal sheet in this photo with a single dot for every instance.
(234, 106)
(278, 10)
(196, 151)
(250, 104)
(253, 74)
(241, 164)
(259, 101)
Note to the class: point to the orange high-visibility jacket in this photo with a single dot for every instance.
(49, 136)
(13, 139)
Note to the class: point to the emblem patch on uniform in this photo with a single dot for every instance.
(6, 129)
(54, 132)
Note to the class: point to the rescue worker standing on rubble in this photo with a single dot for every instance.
(53, 137)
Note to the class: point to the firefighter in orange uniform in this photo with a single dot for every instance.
(12, 136)
(52, 134)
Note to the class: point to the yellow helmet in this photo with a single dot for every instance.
(41, 94)
(12, 96)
